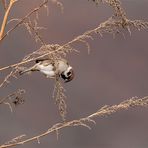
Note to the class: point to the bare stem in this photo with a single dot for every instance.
(6, 18)
(23, 19)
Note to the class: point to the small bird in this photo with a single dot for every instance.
(50, 69)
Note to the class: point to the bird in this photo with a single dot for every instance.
(52, 69)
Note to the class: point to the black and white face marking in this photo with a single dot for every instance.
(68, 75)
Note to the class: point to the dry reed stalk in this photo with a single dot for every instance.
(6, 17)
(23, 19)
(104, 111)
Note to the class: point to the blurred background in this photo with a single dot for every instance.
(115, 70)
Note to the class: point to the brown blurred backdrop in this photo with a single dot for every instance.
(115, 70)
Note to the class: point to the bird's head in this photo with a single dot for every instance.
(68, 74)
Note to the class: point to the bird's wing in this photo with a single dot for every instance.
(41, 60)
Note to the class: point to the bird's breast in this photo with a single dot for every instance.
(46, 69)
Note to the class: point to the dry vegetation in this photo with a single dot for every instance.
(113, 25)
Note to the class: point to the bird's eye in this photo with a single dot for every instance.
(69, 73)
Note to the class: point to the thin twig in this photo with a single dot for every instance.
(6, 18)
(24, 18)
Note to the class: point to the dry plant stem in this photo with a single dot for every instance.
(104, 111)
(36, 34)
(24, 18)
(6, 18)
(6, 98)
(14, 98)
(7, 77)
(59, 96)
(14, 94)
(102, 28)
(60, 48)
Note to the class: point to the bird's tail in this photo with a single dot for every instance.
(27, 70)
